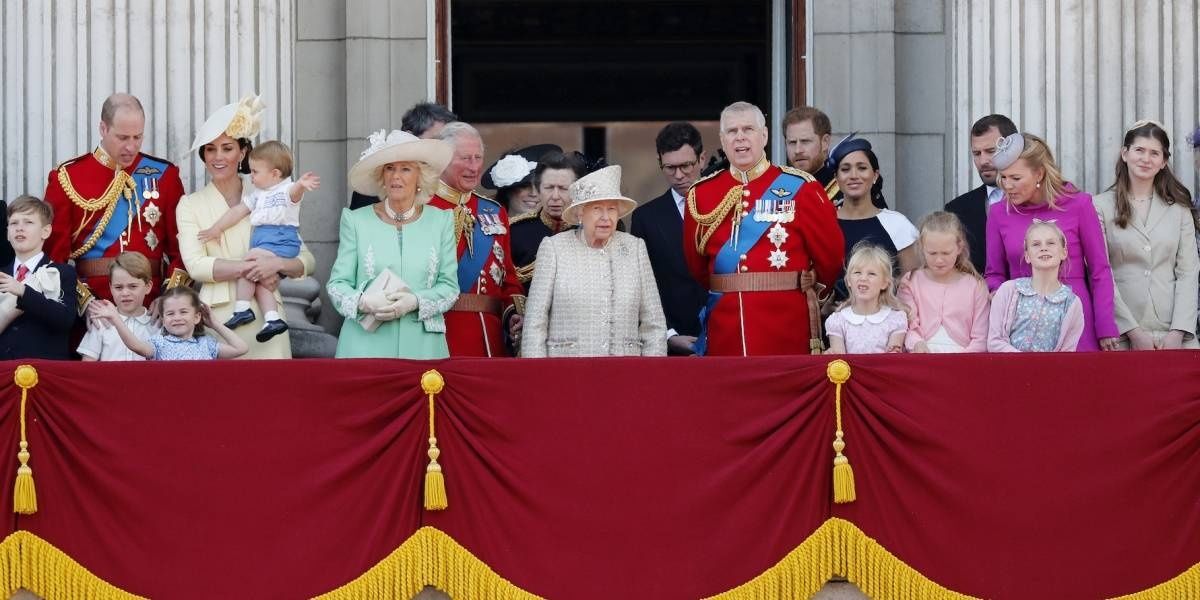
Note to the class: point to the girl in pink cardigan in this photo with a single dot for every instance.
(1038, 313)
(947, 298)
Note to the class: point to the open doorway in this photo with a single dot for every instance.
(603, 76)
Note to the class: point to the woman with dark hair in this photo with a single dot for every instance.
(1150, 228)
(223, 144)
(553, 176)
(512, 178)
(857, 174)
(1036, 191)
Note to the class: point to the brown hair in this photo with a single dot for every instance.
(134, 263)
(27, 203)
(1166, 186)
(276, 154)
(947, 222)
(115, 102)
(820, 121)
(183, 291)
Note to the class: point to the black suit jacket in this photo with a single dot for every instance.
(972, 209)
(658, 223)
(6, 251)
(358, 200)
(44, 330)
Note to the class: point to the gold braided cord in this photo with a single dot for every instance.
(121, 181)
(27, 561)
(429, 557)
(839, 549)
(707, 223)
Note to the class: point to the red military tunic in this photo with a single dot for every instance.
(100, 212)
(474, 327)
(753, 323)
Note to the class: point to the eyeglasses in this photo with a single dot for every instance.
(686, 167)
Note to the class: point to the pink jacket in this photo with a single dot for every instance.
(1004, 309)
(961, 307)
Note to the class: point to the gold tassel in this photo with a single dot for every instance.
(435, 483)
(24, 492)
(838, 372)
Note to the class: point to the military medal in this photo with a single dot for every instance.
(154, 195)
(774, 210)
(151, 239)
(151, 213)
(498, 252)
(491, 224)
(497, 273)
(777, 236)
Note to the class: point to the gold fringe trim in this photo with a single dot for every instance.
(839, 549)
(429, 557)
(27, 561)
(1184, 586)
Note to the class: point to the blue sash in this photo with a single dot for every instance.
(751, 231)
(469, 264)
(145, 170)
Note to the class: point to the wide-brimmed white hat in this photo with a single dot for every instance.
(398, 146)
(602, 184)
(242, 119)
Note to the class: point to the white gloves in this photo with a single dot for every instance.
(372, 302)
(402, 303)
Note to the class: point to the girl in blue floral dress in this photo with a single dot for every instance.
(1037, 313)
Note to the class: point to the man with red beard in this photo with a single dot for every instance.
(115, 199)
(491, 300)
(757, 235)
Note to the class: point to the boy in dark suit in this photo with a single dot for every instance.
(44, 311)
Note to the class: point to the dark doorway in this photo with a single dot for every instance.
(607, 60)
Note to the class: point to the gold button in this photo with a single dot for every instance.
(745, 205)
(743, 257)
(482, 289)
(745, 268)
(744, 213)
(746, 193)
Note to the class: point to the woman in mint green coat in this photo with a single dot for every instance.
(396, 271)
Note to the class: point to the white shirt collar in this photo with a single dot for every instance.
(678, 201)
(994, 194)
(857, 319)
(30, 264)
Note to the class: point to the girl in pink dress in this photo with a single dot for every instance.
(871, 320)
(946, 298)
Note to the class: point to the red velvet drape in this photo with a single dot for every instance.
(1064, 476)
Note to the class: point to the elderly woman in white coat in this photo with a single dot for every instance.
(593, 291)
(1150, 228)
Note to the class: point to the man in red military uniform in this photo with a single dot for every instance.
(115, 199)
(490, 295)
(756, 235)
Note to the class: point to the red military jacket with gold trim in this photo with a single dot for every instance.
(761, 322)
(86, 193)
(478, 333)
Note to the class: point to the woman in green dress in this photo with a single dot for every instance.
(396, 271)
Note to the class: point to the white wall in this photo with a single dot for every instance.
(1079, 73)
(61, 58)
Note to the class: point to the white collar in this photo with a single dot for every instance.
(990, 189)
(678, 200)
(857, 319)
(144, 318)
(30, 264)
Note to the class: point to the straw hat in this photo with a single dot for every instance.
(242, 119)
(603, 184)
(398, 146)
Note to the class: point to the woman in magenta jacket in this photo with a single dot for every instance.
(1035, 190)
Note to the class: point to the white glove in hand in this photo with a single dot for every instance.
(405, 303)
(372, 302)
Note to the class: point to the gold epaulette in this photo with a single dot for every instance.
(525, 273)
(805, 175)
(83, 295)
(525, 217)
(832, 190)
(519, 303)
(706, 178)
(178, 278)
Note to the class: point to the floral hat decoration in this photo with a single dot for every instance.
(242, 119)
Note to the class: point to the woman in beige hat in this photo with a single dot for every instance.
(223, 144)
(396, 271)
(593, 291)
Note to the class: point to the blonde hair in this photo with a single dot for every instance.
(276, 154)
(947, 222)
(1062, 239)
(864, 253)
(134, 263)
(1037, 155)
(427, 181)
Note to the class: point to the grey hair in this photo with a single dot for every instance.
(453, 131)
(743, 107)
(115, 102)
(426, 183)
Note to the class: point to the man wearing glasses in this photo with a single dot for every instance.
(659, 223)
